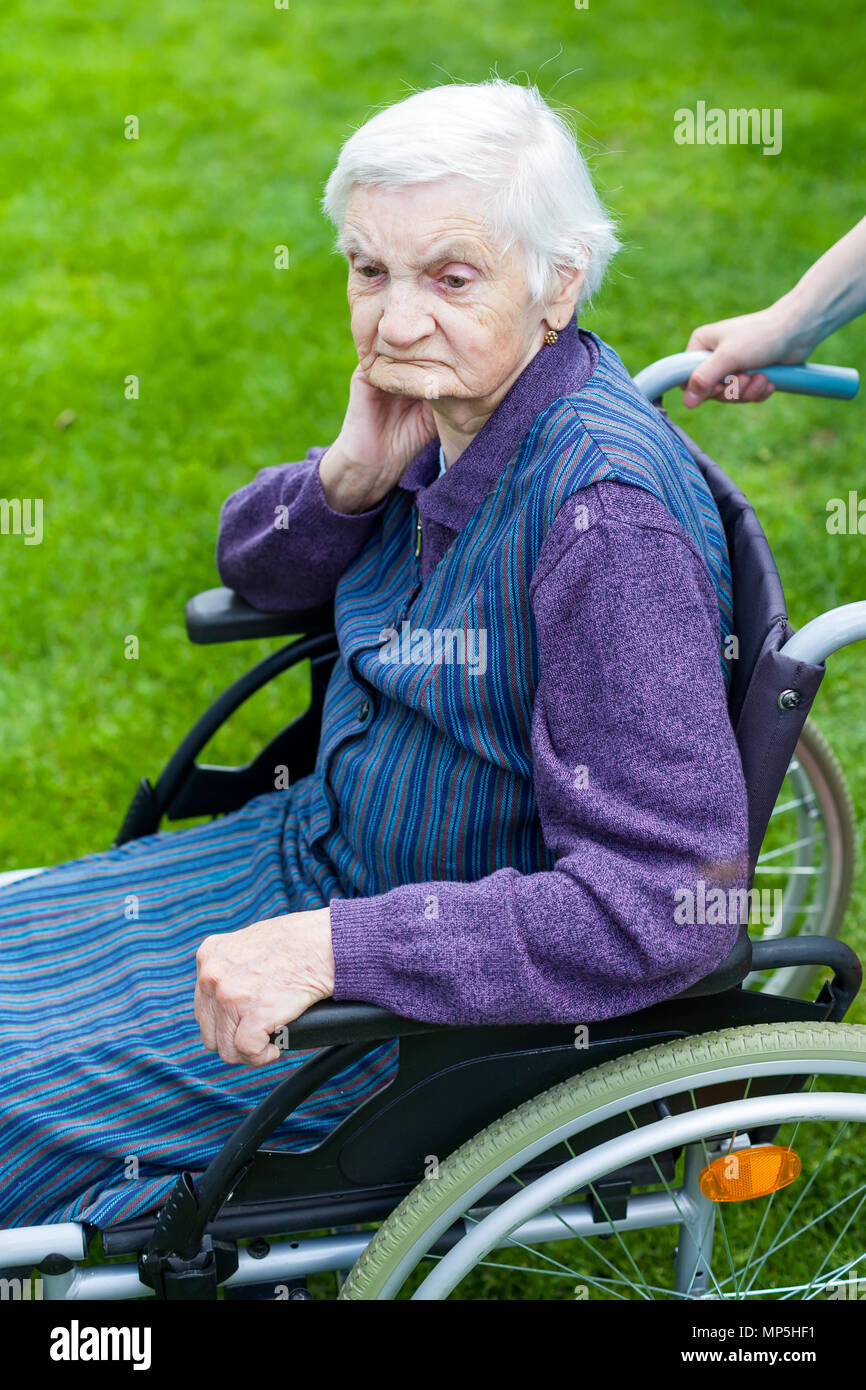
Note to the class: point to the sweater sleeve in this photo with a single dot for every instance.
(640, 794)
(280, 545)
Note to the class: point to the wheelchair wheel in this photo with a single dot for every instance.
(806, 864)
(731, 1165)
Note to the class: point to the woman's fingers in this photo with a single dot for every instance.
(215, 1010)
(252, 1040)
(250, 982)
(238, 1038)
(204, 1002)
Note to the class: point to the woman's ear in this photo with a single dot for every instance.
(561, 306)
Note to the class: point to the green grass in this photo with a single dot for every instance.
(155, 258)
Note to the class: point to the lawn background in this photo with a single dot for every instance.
(155, 257)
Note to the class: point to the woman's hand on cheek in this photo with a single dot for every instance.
(252, 982)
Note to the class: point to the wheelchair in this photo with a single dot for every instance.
(704, 1148)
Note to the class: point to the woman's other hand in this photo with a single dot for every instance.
(380, 435)
(252, 982)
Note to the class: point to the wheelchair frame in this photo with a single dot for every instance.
(450, 1082)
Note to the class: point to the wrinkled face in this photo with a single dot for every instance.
(437, 310)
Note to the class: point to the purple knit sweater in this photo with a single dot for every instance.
(643, 711)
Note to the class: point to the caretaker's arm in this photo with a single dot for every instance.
(640, 793)
(832, 292)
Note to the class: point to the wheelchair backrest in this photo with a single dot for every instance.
(771, 694)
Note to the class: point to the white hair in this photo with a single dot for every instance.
(539, 193)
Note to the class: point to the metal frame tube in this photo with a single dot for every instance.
(32, 1244)
(827, 633)
(694, 1257)
(297, 1259)
(810, 379)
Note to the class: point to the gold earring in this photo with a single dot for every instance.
(551, 336)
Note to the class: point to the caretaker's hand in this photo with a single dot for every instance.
(752, 340)
(380, 435)
(830, 294)
(253, 981)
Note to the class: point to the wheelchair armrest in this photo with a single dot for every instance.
(332, 1022)
(221, 615)
(329, 1022)
(728, 973)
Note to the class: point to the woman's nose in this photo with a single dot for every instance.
(404, 321)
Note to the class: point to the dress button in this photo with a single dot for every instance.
(363, 711)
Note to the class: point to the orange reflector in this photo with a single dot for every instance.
(747, 1173)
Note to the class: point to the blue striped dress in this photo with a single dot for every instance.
(106, 1091)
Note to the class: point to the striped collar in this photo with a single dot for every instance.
(560, 369)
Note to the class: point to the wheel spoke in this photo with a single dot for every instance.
(839, 1236)
(672, 1195)
(577, 1235)
(776, 1247)
(769, 1205)
(766, 855)
(782, 806)
(803, 1191)
(800, 868)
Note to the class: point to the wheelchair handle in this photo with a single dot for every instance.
(827, 633)
(810, 379)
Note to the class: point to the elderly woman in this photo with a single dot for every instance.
(525, 752)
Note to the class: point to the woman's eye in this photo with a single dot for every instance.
(455, 282)
(369, 271)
